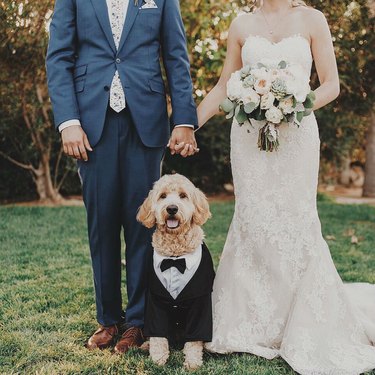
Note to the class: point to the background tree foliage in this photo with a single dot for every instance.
(27, 137)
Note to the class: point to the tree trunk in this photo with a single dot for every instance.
(43, 181)
(345, 171)
(369, 185)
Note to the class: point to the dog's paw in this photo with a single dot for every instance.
(145, 346)
(162, 360)
(193, 355)
(159, 350)
(192, 365)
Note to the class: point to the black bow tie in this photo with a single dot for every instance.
(180, 264)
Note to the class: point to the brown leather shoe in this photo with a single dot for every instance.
(103, 337)
(132, 337)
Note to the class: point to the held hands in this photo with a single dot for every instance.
(183, 142)
(75, 142)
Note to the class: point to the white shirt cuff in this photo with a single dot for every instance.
(184, 126)
(68, 123)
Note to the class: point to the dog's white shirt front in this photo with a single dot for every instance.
(172, 279)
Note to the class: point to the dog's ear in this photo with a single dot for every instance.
(202, 209)
(145, 214)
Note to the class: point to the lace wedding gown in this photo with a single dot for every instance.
(277, 291)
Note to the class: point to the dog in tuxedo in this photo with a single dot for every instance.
(178, 304)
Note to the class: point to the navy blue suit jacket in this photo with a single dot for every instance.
(82, 60)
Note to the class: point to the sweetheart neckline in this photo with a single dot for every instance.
(297, 35)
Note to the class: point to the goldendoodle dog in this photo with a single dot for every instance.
(178, 304)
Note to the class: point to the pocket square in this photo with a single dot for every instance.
(149, 4)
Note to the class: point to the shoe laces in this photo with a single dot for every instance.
(108, 330)
(130, 333)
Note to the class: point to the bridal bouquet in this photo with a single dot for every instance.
(273, 92)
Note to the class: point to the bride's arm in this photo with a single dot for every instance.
(209, 107)
(325, 61)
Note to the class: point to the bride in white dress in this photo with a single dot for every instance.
(277, 291)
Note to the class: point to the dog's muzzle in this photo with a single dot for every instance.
(172, 222)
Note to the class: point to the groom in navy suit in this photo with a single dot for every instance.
(109, 104)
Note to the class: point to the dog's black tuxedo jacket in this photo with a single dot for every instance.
(189, 316)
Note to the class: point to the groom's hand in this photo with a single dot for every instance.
(183, 141)
(75, 142)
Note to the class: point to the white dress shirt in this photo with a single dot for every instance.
(172, 279)
(76, 122)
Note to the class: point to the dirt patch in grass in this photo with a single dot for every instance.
(346, 195)
(341, 194)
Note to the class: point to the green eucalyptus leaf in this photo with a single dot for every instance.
(230, 114)
(308, 103)
(259, 115)
(227, 105)
(299, 116)
(307, 112)
(311, 95)
(240, 114)
(249, 107)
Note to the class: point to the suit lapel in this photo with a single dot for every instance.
(101, 10)
(130, 18)
(157, 287)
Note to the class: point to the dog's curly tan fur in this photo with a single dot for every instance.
(192, 211)
(177, 244)
(193, 355)
(159, 350)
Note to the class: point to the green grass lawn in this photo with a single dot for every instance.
(47, 309)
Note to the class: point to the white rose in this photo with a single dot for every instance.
(298, 88)
(262, 86)
(302, 92)
(297, 71)
(260, 73)
(234, 86)
(286, 106)
(275, 73)
(266, 101)
(250, 96)
(298, 83)
(284, 74)
(274, 115)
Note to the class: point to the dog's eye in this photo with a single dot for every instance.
(183, 195)
(163, 196)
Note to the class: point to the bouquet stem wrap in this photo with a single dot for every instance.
(268, 139)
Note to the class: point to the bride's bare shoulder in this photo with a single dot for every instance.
(239, 27)
(312, 21)
(310, 14)
(242, 20)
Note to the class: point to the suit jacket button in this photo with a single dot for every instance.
(118, 61)
(106, 88)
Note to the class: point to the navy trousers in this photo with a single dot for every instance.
(115, 181)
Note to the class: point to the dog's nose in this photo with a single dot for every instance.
(172, 209)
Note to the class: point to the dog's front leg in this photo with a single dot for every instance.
(159, 350)
(193, 355)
